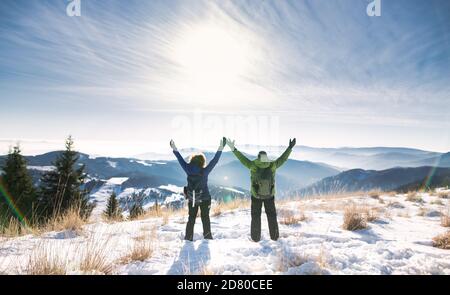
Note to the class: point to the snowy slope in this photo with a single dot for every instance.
(100, 197)
(398, 243)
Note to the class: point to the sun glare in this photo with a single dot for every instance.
(213, 62)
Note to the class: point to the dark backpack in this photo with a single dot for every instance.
(194, 190)
(264, 182)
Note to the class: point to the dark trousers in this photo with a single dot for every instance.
(204, 213)
(271, 212)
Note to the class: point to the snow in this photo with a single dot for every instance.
(101, 196)
(41, 168)
(144, 163)
(398, 243)
(112, 164)
(232, 190)
(117, 180)
(172, 188)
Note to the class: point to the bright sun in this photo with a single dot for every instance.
(213, 62)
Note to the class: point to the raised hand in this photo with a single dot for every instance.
(292, 142)
(173, 146)
(231, 144)
(222, 144)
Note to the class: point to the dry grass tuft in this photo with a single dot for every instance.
(94, 257)
(414, 197)
(222, 207)
(161, 212)
(396, 205)
(442, 241)
(15, 229)
(4, 266)
(45, 261)
(291, 217)
(404, 214)
(166, 217)
(71, 220)
(142, 248)
(205, 270)
(286, 259)
(443, 195)
(114, 219)
(445, 219)
(141, 251)
(374, 194)
(216, 211)
(422, 211)
(354, 219)
(371, 214)
(390, 194)
(437, 202)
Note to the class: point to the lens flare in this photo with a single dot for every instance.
(10, 201)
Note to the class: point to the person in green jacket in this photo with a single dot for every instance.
(262, 172)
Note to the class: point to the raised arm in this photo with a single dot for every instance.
(180, 159)
(243, 159)
(216, 158)
(283, 158)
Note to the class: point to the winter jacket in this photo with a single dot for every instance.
(255, 164)
(195, 170)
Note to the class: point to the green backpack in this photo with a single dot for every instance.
(264, 182)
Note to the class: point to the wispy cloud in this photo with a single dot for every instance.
(314, 60)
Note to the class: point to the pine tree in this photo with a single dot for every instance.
(137, 207)
(18, 194)
(113, 210)
(62, 188)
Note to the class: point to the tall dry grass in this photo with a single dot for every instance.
(71, 220)
(45, 260)
(221, 207)
(443, 195)
(95, 256)
(375, 194)
(445, 218)
(291, 216)
(442, 241)
(437, 202)
(354, 218)
(14, 228)
(285, 259)
(414, 197)
(142, 249)
(4, 266)
(162, 212)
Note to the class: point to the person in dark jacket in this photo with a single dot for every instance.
(262, 172)
(197, 191)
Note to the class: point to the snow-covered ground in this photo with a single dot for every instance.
(102, 195)
(399, 242)
(42, 168)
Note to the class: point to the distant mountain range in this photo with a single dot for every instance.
(145, 173)
(345, 158)
(406, 169)
(374, 158)
(398, 179)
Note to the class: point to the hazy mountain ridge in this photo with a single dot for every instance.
(365, 180)
(229, 172)
(298, 176)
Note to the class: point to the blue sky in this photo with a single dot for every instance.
(127, 76)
